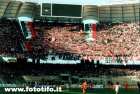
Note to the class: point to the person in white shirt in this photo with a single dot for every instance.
(116, 87)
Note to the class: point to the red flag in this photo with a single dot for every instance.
(28, 46)
(32, 30)
(94, 31)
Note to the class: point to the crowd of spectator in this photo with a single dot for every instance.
(111, 41)
(116, 40)
(9, 37)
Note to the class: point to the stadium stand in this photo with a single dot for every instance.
(54, 50)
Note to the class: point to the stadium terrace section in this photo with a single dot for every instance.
(114, 40)
(42, 35)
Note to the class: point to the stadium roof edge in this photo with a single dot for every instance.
(81, 2)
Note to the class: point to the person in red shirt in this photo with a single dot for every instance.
(84, 87)
(126, 85)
